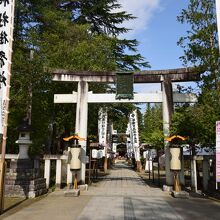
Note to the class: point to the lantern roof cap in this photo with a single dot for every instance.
(24, 126)
(74, 137)
(175, 137)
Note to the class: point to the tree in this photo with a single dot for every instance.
(105, 18)
(152, 132)
(200, 50)
(61, 36)
(201, 44)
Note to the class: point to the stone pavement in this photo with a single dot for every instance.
(122, 195)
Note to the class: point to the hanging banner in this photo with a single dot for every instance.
(217, 151)
(133, 120)
(134, 134)
(6, 38)
(102, 126)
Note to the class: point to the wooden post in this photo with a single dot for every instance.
(90, 158)
(176, 183)
(2, 175)
(158, 172)
(6, 49)
(153, 170)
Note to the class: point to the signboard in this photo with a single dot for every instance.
(6, 35)
(124, 85)
(217, 151)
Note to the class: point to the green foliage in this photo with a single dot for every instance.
(152, 132)
(118, 114)
(201, 50)
(195, 122)
(201, 43)
(73, 35)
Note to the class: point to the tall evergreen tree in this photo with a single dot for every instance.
(201, 50)
(74, 35)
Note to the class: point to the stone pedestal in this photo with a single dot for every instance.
(22, 180)
(180, 194)
(72, 193)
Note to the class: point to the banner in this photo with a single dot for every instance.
(102, 126)
(217, 151)
(6, 38)
(134, 134)
(133, 120)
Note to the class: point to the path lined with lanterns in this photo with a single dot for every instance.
(120, 195)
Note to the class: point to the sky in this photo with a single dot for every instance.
(157, 30)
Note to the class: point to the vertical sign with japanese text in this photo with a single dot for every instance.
(6, 38)
(133, 120)
(102, 126)
(134, 134)
(217, 151)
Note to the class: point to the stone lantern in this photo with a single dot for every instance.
(24, 140)
(74, 156)
(23, 178)
(175, 164)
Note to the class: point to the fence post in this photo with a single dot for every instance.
(47, 172)
(58, 173)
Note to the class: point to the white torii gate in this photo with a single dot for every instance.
(82, 97)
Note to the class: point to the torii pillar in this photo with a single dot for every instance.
(81, 123)
(167, 106)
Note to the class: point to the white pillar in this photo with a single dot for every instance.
(58, 173)
(205, 173)
(167, 105)
(81, 123)
(47, 172)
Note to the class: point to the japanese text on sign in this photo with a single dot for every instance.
(6, 31)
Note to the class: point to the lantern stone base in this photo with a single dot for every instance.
(22, 180)
(72, 193)
(181, 194)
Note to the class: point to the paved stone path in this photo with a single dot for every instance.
(122, 195)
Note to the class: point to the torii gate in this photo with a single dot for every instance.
(82, 97)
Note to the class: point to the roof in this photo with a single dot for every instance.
(74, 137)
(175, 137)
